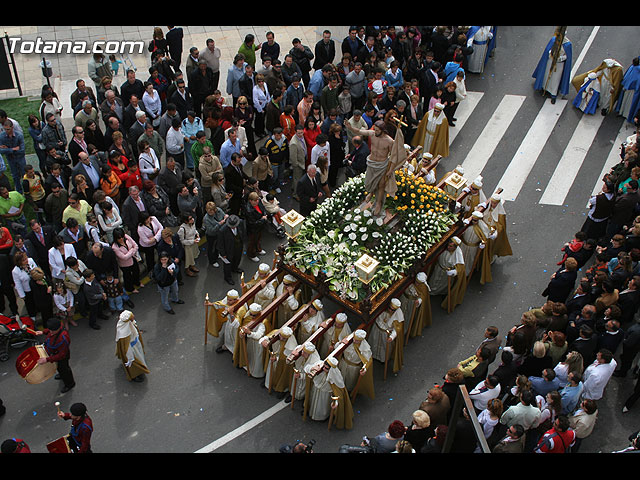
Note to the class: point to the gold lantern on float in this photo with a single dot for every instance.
(366, 267)
(455, 183)
(292, 223)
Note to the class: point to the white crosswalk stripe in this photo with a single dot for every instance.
(572, 159)
(463, 113)
(493, 132)
(525, 158)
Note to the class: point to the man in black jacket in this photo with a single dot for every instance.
(174, 43)
(41, 237)
(358, 158)
(181, 98)
(230, 246)
(302, 55)
(325, 51)
(235, 180)
(201, 85)
(132, 86)
(165, 274)
(135, 105)
(309, 189)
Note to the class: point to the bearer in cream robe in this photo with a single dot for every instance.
(218, 313)
(422, 317)
(389, 328)
(290, 306)
(475, 238)
(328, 393)
(476, 197)
(310, 321)
(411, 301)
(334, 334)
(230, 327)
(277, 360)
(318, 403)
(450, 264)
(433, 132)
(357, 363)
(308, 356)
(249, 339)
(495, 217)
(129, 347)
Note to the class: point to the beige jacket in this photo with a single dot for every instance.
(583, 423)
(297, 153)
(207, 167)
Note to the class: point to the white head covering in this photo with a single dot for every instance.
(592, 75)
(459, 170)
(477, 182)
(456, 240)
(233, 294)
(421, 277)
(334, 376)
(264, 268)
(341, 317)
(289, 279)
(477, 214)
(317, 304)
(395, 303)
(438, 106)
(360, 334)
(286, 331)
(309, 347)
(126, 326)
(255, 308)
(427, 156)
(496, 196)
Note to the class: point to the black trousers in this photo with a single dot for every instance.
(634, 396)
(65, 373)
(212, 249)
(234, 263)
(131, 276)
(7, 291)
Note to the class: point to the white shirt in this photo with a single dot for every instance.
(320, 151)
(21, 278)
(57, 262)
(481, 395)
(596, 377)
(175, 141)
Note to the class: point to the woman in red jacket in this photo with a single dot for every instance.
(311, 131)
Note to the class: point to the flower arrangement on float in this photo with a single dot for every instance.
(335, 235)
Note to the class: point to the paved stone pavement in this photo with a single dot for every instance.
(67, 68)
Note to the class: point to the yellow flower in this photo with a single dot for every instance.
(413, 195)
(404, 194)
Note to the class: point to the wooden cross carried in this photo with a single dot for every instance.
(400, 121)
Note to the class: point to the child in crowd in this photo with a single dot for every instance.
(63, 300)
(113, 289)
(573, 246)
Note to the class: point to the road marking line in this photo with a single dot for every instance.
(243, 428)
(572, 158)
(517, 173)
(493, 132)
(466, 107)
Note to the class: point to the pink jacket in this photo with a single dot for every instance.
(148, 238)
(125, 253)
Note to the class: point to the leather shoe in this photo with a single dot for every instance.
(179, 302)
(288, 399)
(65, 389)
(171, 312)
(95, 326)
(221, 350)
(190, 273)
(57, 377)
(139, 378)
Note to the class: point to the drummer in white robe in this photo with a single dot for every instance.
(384, 331)
(308, 356)
(310, 321)
(334, 334)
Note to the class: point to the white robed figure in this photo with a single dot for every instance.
(230, 329)
(356, 356)
(266, 294)
(419, 168)
(378, 336)
(309, 356)
(288, 308)
(445, 267)
(311, 321)
(434, 120)
(550, 78)
(478, 38)
(286, 343)
(334, 334)
(607, 82)
(471, 241)
(255, 351)
(129, 347)
(320, 392)
(588, 96)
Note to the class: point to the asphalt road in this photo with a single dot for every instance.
(195, 397)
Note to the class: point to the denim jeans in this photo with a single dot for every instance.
(168, 293)
(187, 153)
(116, 303)
(278, 174)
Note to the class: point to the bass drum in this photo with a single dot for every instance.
(30, 370)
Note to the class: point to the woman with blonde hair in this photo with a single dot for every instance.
(572, 363)
(420, 429)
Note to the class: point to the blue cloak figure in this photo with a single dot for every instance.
(590, 106)
(541, 71)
